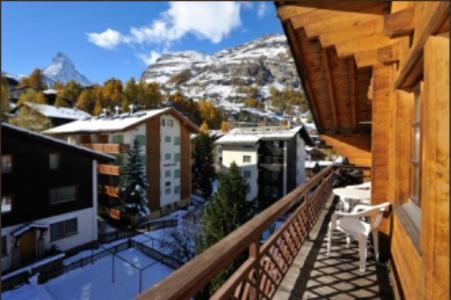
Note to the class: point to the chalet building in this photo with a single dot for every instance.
(376, 76)
(57, 115)
(165, 138)
(49, 195)
(270, 158)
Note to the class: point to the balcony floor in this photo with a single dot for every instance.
(315, 276)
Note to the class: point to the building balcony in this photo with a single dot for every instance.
(108, 148)
(108, 169)
(290, 264)
(112, 191)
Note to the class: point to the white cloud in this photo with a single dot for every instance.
(213, 21)
(108, 39)
(262, 9)
(149, 58)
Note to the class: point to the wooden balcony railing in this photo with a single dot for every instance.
(112, 191)
(108, 148)
(108, 169)
(261, 274)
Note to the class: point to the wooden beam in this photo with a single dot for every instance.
(400, 23)
(336, 23)
(287, 11)
(429, 23)
(366, 58)
(359, 30)
(372, 42)
(295, 46)
(330, 87)
(353, 93)
(389, 54)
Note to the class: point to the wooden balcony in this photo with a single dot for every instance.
(112, 191)
(108, 148)
(108, 169)
(290, 264)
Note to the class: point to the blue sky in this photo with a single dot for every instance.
(118, 39)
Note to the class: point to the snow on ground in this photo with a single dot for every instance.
(95, 281)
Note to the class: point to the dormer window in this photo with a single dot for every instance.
(7, 163)
(54, 161)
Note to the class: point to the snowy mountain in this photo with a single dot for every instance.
(226, 76)
(63, 70)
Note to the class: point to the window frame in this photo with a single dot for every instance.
(10, 196)
(247, 159)
(58, 161)
(64, 232)
(415, 149)
(177, 141)
(11, 163)
(58, 191)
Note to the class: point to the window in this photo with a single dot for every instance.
(7, 163)
(163, 122)
(167, 190)
(63, 229)
(246, 158)
(54, 161)
(167, 173)
(7, 203)
(177, 173)
(141, 139)
(177, 157)
(118, 139)
(177, 189)
(4, 246)
(167, 156)
(415, 150)
(247, 174)
(170, 123)
(63, 194)
(168, 183)
(167, 139)
(177, 140)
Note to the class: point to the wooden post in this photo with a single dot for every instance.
(254, 252)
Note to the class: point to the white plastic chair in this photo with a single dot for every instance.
(354, 225)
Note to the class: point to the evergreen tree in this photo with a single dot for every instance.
(203, 170)
(130, 95)
(28, 96)
(40, 98)
(31, 119)
(97, 108)
(133, 185)
(84, 101)
(204, 127)
(225, 126)
(70, 92)
(35, 80)
(4, 99)
(226, 211)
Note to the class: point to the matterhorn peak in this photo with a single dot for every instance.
(63, 70)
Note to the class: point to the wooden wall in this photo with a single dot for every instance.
(185, 163)
(153, 163)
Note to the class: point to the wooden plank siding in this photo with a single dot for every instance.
(393, 52)
(153, 163)
(185, 163)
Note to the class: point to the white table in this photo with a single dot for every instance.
(351, 196)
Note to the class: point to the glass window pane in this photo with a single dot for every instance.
(176, 173)
(177, 157)
(167, 173)
(141, 139)
(4, 246)
(54, 161)
(417, 138)
(71, 226)
(56, 231)
(176, 140)
(7, 163)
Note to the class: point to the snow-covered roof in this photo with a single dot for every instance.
(112, 123)
(51, 111)
(52, 140)
(26, 227)
(252, 135)
(49, 91)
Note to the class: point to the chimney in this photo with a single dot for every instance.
(130, 107)
(116, 109)
(104, 112)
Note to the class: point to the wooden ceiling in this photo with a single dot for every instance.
(334, 44)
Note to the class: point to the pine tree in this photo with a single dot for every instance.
(84, 101)
(35, 80)
(69, 92)
(40, 98)
(31, 119)
(226, 211)
(225, 126)
(204, 127)
(203, 170)
(4, 99)
(133, 185)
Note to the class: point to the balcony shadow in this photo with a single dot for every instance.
(338, 276)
